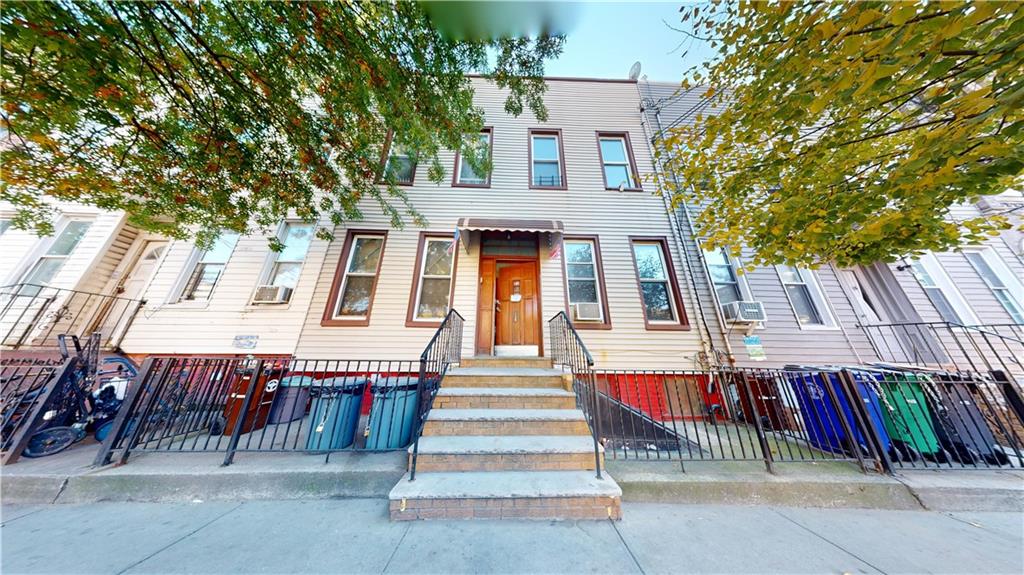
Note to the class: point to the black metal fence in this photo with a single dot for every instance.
(29, 390)
(877, 418)
(280, 404)
(569, 352)
(951, 346)
(32, 314)
(444, 349)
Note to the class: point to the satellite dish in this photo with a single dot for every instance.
(634, 71)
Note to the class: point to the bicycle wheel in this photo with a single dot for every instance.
(50, 441)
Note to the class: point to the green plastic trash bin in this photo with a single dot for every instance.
(393, 412)
(291, 399)
(906, 415)
(335, 412)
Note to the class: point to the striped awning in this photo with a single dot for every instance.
(506, 225)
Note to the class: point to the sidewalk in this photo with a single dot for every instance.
(355, 536)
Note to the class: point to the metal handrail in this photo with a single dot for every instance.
(443, 349)
(568, 350)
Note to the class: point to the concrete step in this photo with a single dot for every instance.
(506, 495)
(492, 361)
(503, 377)
(505, 453)
(506, 422)
(504, 398)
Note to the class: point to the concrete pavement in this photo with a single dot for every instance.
(355, 536)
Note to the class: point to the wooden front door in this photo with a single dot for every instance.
(517, 313)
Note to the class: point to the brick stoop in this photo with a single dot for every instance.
(505, 440)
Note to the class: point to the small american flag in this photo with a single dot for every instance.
(455, 242)
(555, 242)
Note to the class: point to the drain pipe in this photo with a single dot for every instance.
(707, 344)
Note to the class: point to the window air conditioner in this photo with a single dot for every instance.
(272, 294)
(744, 311)
(587, 311)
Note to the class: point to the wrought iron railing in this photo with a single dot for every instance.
(951, 346)
(570, 353)
(444, 349)
(30, 315)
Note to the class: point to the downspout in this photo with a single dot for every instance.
(708, 343)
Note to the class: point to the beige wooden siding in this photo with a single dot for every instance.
(579, 109)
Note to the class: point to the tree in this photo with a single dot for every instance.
(229, 115)
(845, 131)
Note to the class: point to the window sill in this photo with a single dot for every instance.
(188, 304)
(478, 186)
(667, 327)
(422, 323)
(818, 327)
(607, 189)
(339, 322)
(556, 188)
(591, 325)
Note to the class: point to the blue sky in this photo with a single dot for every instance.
(607, 37)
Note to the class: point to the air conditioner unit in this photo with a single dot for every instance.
(744, 311)
(587, 311)
(272, 294)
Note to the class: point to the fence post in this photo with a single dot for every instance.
(236, 433)
(866, 422)
(121, 419)
(595, 413)
(419, 418)
(834, 398)
(26, 428)
(766, 452)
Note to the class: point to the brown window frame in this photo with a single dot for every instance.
(385, 156)
(410, 314)
(457, 168)
(603, 291)
(561, 157)
(682, 322)
(624, 136)
(328, 319)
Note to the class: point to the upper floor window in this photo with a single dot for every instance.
(209, 268)
(586, 293)
(952, 306)
(547, 163)
(288, 262)
(805, 296)
(5, 223)
(356, 279)
(432, 286)
(617, 161)
(52, 260)
(465, 175)
(657, 287)
(723, 276)
(399, 163)
(1005, 287)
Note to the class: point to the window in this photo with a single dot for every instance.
(465, 175)
(805, 296)
(209, 267)
(617, 161)
(288, 262)
(355, 281)
(662, 308)
(46, 267)
(547, 166)
(432, 282)
(1000, 280)
(585, 283)
(940, 290)
(723, 276)
(4, 224)
(399, 163)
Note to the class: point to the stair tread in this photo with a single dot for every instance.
(505, 391)
(502, 444)
(506, 371)
(504, 484)
(505, 415)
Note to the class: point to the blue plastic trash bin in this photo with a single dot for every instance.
(335, 413)
(393, 412)
(821, 418)
(291, 399)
